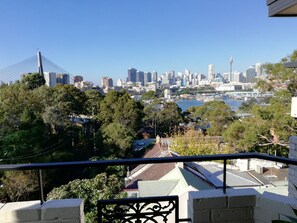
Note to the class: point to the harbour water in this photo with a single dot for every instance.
(185, 104)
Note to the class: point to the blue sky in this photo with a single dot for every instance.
(96, 38)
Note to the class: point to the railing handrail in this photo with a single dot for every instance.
(136, 161)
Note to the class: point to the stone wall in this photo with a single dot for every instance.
(53, 211)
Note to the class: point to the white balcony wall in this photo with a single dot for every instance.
(53, 211)
(239, 205)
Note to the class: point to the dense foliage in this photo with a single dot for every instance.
(215, 115)
(192, 142)
(43, 124)
(100, 187)
(163, 117)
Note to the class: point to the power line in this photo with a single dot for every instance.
(38, 153)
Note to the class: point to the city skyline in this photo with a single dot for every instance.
(105, 38)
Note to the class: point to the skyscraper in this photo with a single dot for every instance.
(140, 77)
(147, 77)
(238, 77)
(250, 74)
(63, 79)
(132, 75)
(106, 82)
(78, 79)
(259, 69)
(211, 72)
(155, 76)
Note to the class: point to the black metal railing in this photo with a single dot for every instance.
(127, 162)
(147, 209)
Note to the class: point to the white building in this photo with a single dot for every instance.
(84, 85)
(167, 94)
(259, 69)
(238, 77)
(229, 87)
(211, 72)
(119, 83)
(50, 79)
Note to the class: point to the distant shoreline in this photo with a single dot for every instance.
(185, 104)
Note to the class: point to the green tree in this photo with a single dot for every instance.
(267, 130)
(216, 113)
(127, 112)
(92, 104)
(151, 112)
(68, 99)
(21, 127)
(120, 118)
(247, 106)
(32, 81)
(18, 185)
(90, 190)
(191, 142)
(169, 117)
(164, 117)
(279, 74)
(264, 85)
(118, 138)
(149, 95)
(108, 106)
(119, 107)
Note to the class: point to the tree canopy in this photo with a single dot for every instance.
(216, 116)
(100, 187)
(278, 74)
(268, 129)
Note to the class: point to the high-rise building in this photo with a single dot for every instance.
(226, 76)
(238, 77)
(132, 75)
(231, 65)
(140, 77)
(106, 82)
(155, 76)
(78, 79)
(50, 78)
(187, 72)
(250, 74)
(165, 78)
(259, 69)
(211, 72)
(147, 77)
(63, 79)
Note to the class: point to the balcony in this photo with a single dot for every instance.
(282, 8)
(215, 205)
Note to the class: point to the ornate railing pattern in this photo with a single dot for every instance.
(138, 210)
